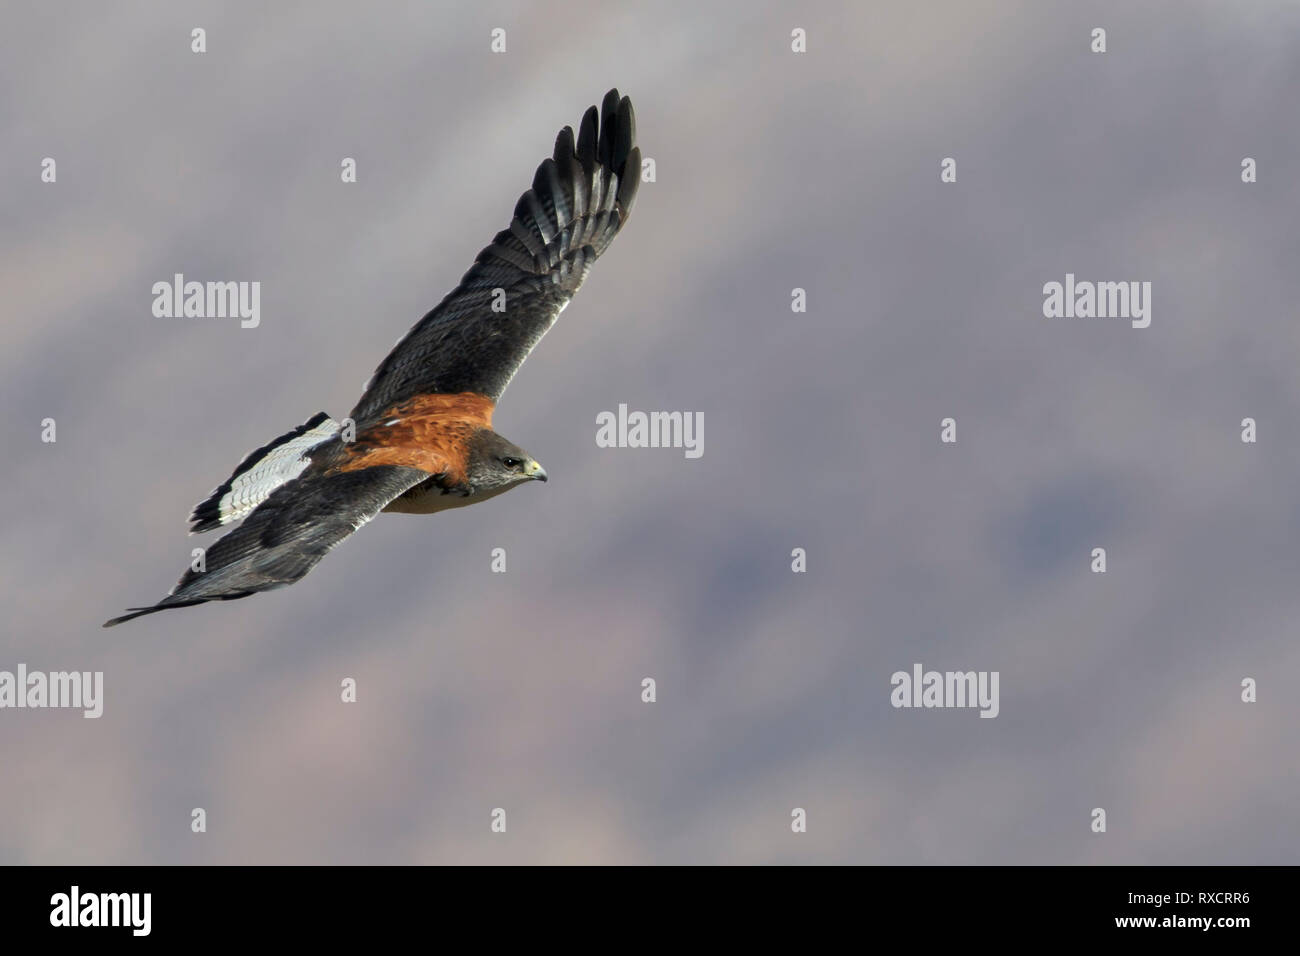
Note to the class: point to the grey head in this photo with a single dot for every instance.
(496, 464)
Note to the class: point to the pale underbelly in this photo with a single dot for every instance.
(433, 500)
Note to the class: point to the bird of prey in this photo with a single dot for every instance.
(420, 439)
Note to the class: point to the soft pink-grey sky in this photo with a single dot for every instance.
(775, 170)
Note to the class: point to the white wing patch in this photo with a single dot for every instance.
(282, 463)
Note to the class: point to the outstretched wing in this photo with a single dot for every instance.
(579, 200)
(287, 535)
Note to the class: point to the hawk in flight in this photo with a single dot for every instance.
(421, 435)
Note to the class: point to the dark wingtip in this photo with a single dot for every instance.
(609, 105)
(617, 150)
(564, 148)
(626, 124)
(166, 604)
(629, 180)
(134, 613)
(587, 139)
(617, 134)
(608, 127)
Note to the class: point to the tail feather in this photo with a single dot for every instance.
(260, 473)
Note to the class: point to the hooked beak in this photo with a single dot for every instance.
(535, 471)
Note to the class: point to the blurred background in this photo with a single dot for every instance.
(775, 170)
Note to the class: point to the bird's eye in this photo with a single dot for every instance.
(511, 462)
